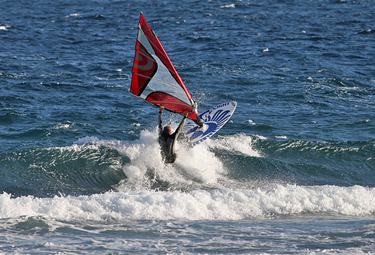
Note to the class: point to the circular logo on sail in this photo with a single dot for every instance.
(143, 60)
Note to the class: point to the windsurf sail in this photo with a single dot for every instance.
(154, 77)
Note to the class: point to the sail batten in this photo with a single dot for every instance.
(154, 77)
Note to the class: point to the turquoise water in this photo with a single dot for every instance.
(293, 172)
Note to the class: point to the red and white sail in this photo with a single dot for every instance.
(155, 79)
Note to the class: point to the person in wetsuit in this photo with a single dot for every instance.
(167, 139)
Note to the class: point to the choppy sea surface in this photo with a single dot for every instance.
(293, 172)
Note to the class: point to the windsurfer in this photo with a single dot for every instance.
(167, 139)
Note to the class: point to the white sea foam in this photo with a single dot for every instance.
(208, 199)
(228, 6)
(281, 137)
(240, 143)
(4, 27)
(62, 126)
(197, 164)
(251, 122)
(193, 164)
(216, 204)
(219, 202)
(74, 15)
(304, 146)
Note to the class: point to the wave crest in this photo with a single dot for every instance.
(215, 204)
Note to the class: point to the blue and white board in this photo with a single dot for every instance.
(214, 119)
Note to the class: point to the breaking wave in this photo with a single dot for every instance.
(215, 204)
(227, 178)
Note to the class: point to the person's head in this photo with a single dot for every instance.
(168, 130)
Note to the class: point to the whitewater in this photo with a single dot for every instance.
(196, 187)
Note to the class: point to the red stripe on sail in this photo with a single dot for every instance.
(160, 52)
(172, 103)
(144, 68)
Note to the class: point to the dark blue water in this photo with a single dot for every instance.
(292, 173)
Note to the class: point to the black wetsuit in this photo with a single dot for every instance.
(167, 141)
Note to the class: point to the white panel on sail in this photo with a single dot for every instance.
(162, 80)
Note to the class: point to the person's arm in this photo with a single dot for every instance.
(176, 133)
(160, 121)
(179, 128)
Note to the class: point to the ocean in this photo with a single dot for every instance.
(293, 172)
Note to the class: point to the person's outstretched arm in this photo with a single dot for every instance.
(176, 133)
(160, 121)
(179, 128)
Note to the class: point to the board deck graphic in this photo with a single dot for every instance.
(214, 119)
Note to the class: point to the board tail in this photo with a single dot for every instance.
(154, 77)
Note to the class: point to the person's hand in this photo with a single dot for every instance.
(186, 115)
(161, 109)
